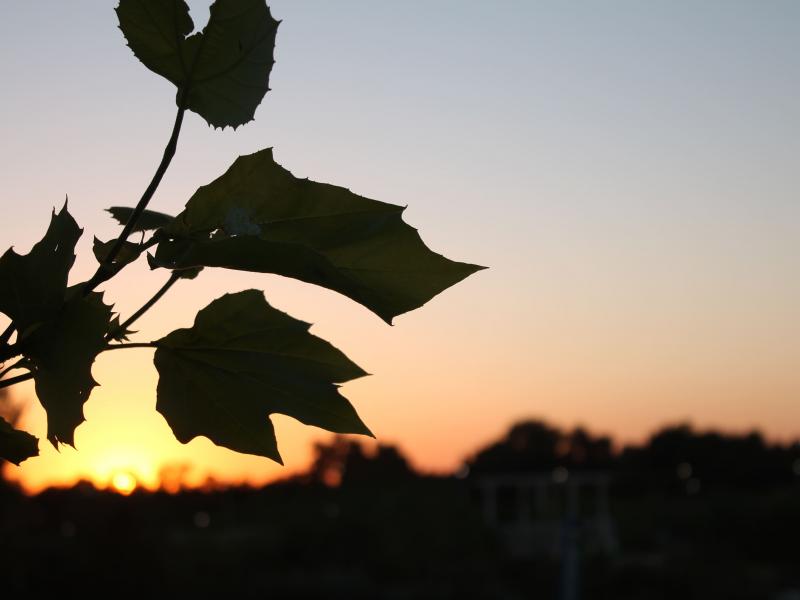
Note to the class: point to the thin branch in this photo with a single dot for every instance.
(16, 365)
(106, 270)
(145, 307)
(6, 335)
(154, 239)
(18, 379)
(8, 351)
(26, 376)
(131, 345)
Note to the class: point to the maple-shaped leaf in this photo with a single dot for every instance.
(60, 354)
(32, 286)
(222, 71)
(259, 217)
(149, 219)
(16, 445)
(243, 360)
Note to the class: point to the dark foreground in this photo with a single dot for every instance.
(386, 532)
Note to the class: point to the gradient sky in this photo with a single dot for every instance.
(628, 171)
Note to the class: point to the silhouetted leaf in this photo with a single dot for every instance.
(243, 360)
(32, 286)
(184, 272)
(16, 445)
(188, 273)
(224, 69)
(149, 219)
(259, 217)
(61, 353)
(116, 333)
(127, 254)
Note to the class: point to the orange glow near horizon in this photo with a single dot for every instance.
(440, 391)
(123, 482)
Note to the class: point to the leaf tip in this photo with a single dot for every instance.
(475, 268)
(359, 373)
(58, 441)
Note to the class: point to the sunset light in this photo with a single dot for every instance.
(123, 482)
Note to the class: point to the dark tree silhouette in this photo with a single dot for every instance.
(347, 462)
(537, 446)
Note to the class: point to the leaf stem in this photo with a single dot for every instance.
(17, 379)
(131, 345)
(16, 365)
(106, 269)
(145, 307)
(6, 335)
(8, 351)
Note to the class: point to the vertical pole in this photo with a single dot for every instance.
(570, 573)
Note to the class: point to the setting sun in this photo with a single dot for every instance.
(123, 482)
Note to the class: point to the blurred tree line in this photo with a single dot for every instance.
(700, 514)
(672, 455)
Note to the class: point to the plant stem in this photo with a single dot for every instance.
(106, 270)
(26, 376)
(131, 345)
(18, 379)
(145, 307)
(16, 365)
(6, 335)
(8, 351)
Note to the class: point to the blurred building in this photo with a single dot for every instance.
(549, 513)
